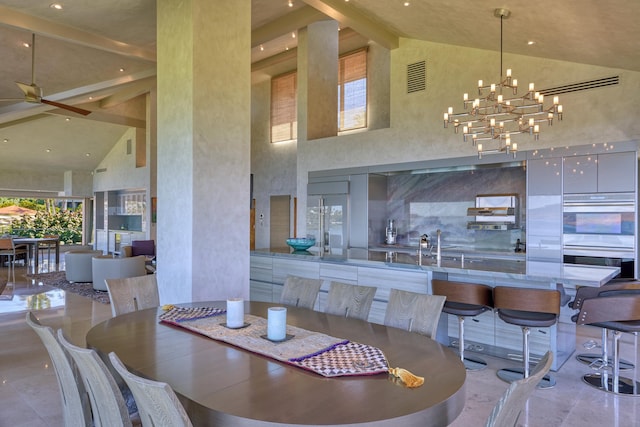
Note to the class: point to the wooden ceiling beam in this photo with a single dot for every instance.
(347, 16)
(51, 29)
(299, 18)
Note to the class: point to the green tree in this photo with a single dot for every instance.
(66, 224)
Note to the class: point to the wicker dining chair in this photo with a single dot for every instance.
(352, 301)
(107, 403)
(300, 291)
(133, 293)
(157, 403)
(414, 312)
(76, 409)
(509, 407)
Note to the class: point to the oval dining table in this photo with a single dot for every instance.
(223, 385)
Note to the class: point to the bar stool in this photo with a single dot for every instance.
(464, 300)
(620, 313)
(527, 308)
(602, 360)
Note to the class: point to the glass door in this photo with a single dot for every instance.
(327, 221)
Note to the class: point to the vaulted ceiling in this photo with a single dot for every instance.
(100, 55)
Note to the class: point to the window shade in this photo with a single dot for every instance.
(352, 91)
(284, 123)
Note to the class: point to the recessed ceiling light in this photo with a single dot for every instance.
(407, 3)
(5, 140)
(290, 3)
(293, 34)
(87, 154)
(25, 44)
(261, 48)
(56, 6)
(121, 70)
(68, 119)
(530, 42)
(48, 150)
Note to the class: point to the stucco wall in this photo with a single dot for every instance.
(121, 172)
(417, 132)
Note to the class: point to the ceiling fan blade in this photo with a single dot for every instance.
(11, 99)
(66, 107)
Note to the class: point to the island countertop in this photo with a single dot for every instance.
(462, 262)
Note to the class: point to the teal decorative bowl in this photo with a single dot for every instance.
(301, 243)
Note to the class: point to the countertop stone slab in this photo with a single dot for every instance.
(474, 264)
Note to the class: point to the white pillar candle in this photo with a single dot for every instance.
(277, 323)
(235, 312)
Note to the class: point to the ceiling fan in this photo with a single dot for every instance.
(33, 92)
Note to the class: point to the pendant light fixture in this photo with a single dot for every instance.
(491, 119)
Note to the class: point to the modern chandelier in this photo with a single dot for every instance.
(495, 118)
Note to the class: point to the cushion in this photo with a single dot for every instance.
(143, 247)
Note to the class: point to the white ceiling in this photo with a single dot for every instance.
(80, 50)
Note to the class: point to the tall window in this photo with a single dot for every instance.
(352, 90)
(284, 122)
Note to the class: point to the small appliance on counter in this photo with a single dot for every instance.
(391, 232)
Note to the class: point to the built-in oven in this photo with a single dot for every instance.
(600, 229)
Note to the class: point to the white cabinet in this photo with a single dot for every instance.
(131, 203)
(617, 172)
(544, 209)
(101, 241)
(601, 173)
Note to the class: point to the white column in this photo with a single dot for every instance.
(203, 149)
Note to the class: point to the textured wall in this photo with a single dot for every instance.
(417, 132)
(121, 172)
(203, 149)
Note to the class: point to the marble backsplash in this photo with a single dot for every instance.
(423, 203)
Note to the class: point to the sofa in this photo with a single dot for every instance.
(78, 265)
(108, 267)
(139, 247)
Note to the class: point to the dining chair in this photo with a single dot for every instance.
(352, 301)
(9, 249)
(300, 292)
(414, 312)
(76, 409)
(47, 245)
(107, 403)
(133, 293)
(157, 402)
(509, 407)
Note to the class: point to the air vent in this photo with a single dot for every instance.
(101, 170)
(128, 146)
(416, 76)
(575, 87)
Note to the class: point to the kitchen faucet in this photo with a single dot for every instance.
(423, 244)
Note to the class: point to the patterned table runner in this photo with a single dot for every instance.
(320, 353)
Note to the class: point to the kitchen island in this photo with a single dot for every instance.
(399, 269)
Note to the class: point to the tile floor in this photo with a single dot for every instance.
(29, 392)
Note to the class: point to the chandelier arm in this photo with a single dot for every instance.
(492, 117)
